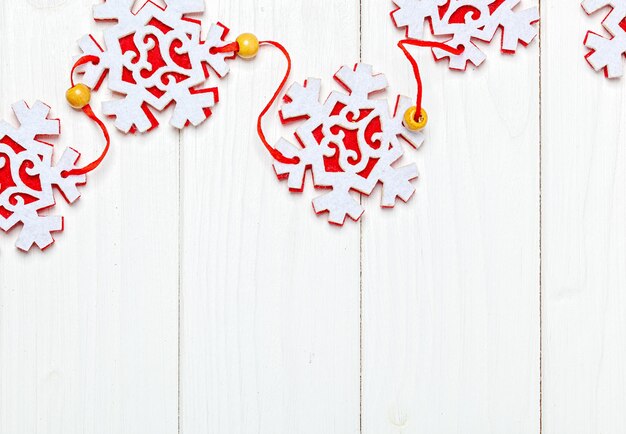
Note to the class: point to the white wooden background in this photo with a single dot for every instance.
(192, 294)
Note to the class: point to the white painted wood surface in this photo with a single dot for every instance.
(191, 293)
(269, 293)
(584, 238)
(451, 281)
(89, 328)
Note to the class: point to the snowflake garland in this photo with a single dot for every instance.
(464, 21)
(155, 57)
(606, 53)
(350, 142)
(28, 176)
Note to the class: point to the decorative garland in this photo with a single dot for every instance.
(155, 58)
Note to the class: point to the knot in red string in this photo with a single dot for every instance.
(233, 47)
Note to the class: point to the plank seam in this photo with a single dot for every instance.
(361, 258)
(540, 225)
(180, 255)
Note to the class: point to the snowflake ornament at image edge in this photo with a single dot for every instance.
(28, 176)
(155, 57)
(464, 21)
(350, 142)
(606, 53)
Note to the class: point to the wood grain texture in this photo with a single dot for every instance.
(584, 247)
(451, 281)
(192, 293)
(270, 292)
(88, 329)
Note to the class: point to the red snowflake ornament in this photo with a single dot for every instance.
(350, 143)
(155, 58)
(28, 176)
(464, 21)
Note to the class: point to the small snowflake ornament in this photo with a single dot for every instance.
(606, 53)
(28, 176)
(155, 57)
(464, 21)
(350, 143)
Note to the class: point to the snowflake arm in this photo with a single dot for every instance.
(129, 113)
(339, 204)
(517, 26)
(67, 185)
(186, 6)
(303, 102)
(93, 73)
(34, 121)
(607, 53)
(113, 10)
(592, 6)
(294, 173)
(361, 81)
(413, 15)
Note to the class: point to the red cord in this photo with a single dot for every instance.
(416, 70)
(94, 165)
(91, 115)
(83, 61)
(278, 156)
(234, 47)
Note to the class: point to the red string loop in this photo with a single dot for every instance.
(278, 156)
(233, 47)
(416, 70)
(91, 115)
(83, 61)
(93, 165)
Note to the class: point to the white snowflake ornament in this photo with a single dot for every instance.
(464, 21)
(350, 143)
(28, 176)
(155, 57)
(606, 53)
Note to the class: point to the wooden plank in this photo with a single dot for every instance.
(88, 330)
(451, 280)
(270, 292)
(584, 246)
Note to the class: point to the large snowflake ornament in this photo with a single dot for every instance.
(464, 21)
(350, 143)
(606, 53)
(155, 57)
(28, 176)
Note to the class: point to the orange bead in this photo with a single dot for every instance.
(78, 96)
(248, 45)
(415, 124)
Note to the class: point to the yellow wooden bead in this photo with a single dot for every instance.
(411, 123)
(248, 45)
(78, 96)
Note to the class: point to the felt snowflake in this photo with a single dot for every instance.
(28, 176)
(606, 53)
(350, 143)
(155, 57)
(464, 21)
